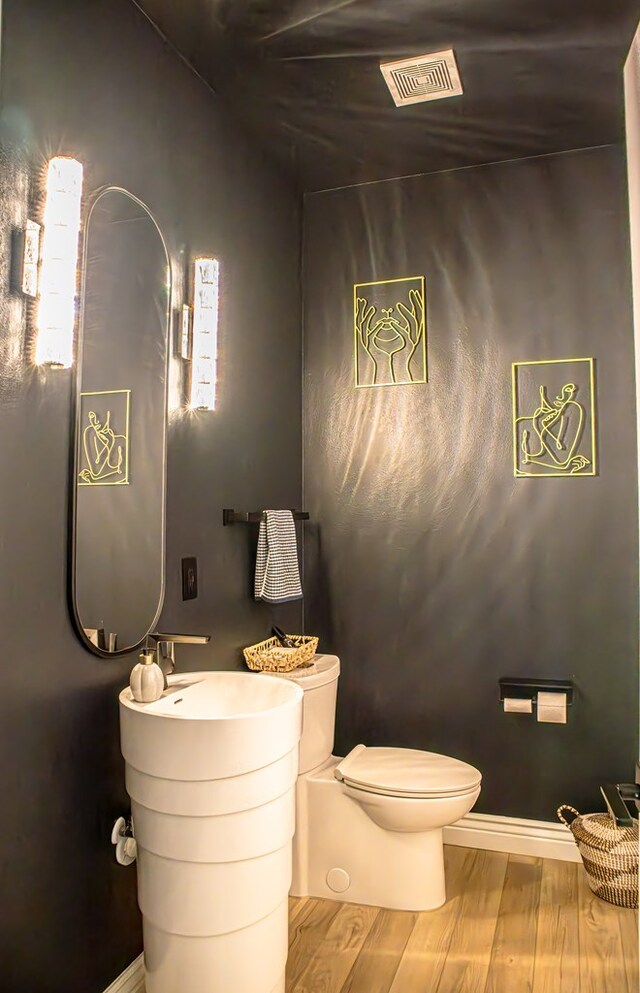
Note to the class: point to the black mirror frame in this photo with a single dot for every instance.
(75, 408)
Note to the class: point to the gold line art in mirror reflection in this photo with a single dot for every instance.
(390, 332)
(552, 440)
(104, 456)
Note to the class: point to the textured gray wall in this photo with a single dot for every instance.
(432, 571)
(93, 79)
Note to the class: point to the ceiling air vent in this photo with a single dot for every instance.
(426, 77)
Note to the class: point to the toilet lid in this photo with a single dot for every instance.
(407, 772)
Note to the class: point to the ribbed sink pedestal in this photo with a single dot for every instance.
(211, 770)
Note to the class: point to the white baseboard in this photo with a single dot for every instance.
(131, 980)
(514, 835)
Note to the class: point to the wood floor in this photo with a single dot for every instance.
(511, 924)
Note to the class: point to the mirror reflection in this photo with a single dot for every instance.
(120, 429)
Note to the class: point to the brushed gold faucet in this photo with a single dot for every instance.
(165, 648)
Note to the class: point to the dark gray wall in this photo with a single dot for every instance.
(92, 79)
(432, 571)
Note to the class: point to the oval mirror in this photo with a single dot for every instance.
(118, 486)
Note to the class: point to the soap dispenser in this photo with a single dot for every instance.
(147, 679)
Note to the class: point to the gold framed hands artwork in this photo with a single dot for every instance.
(390, 332)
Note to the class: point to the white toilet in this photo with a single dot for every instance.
(369, 826)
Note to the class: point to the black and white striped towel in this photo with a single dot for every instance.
(277, 573)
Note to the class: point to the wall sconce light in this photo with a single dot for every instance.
(204, 345)
(185, 332)
(30, 258)
(58, 271)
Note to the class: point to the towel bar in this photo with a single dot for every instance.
(255, 516)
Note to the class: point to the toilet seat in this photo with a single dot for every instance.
(407, 772)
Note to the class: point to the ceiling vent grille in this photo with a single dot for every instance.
(426, 77)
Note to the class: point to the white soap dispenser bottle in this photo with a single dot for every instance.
(147, 679)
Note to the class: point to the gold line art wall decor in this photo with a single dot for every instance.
(390, 339)
(554, 418)
(104, 438)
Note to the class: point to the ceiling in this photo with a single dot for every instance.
(539, 76)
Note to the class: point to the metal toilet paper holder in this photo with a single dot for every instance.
(515, 688)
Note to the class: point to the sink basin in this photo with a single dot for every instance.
(211, 725)
(211, 770)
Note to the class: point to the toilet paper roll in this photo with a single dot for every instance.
(552, 708)
(516, 705)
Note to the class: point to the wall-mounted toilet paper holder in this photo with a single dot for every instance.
(528, 689)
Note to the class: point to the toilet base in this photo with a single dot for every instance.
(339, 853)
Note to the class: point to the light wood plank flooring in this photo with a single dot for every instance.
(511, 924)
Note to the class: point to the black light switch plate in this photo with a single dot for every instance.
(189, 579)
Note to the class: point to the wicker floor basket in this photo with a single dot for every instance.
(270, 656)
(609, 855)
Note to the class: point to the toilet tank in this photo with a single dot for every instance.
(320, 685)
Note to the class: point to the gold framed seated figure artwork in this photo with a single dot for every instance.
(554, 418)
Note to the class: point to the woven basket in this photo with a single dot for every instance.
(270, 656)
(609, 855)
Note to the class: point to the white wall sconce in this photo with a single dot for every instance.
(30, 258)
(59, 267)
(204, 345)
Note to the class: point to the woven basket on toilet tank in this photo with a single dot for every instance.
(609, 855)
(270, 656)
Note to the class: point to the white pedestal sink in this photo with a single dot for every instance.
(211, 770)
